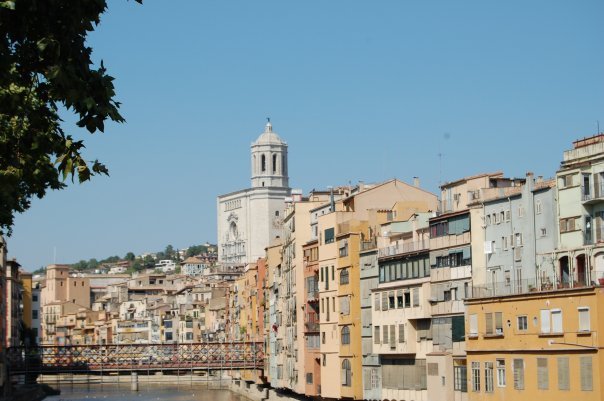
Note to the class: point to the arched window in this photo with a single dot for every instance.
(344, 276)
(263, 163)
(345, 335)
(346, 373)
(274, 163)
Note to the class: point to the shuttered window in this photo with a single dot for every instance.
(542, 374)
(401, 333)
(377, 301)
(399, 299)
(563, 373)
(416, 296)
(385, 335)
(498, 323)
(545, 321)
(586, 373)
(473, 325)
(376, 334)
(384, 300)
(392, 336)
(519, 374)
(584, 321)
(488, 318)
(557, 321)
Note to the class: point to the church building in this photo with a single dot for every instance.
(249, 219)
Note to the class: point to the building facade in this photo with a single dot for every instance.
(249, 219)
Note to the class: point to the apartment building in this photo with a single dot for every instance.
(542, 343)
(401, 312)
(579, 260)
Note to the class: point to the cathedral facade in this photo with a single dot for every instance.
(249, 219)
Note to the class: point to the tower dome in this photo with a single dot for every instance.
(268, 136)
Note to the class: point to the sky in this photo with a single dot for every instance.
(360, 91)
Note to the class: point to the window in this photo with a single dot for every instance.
(538, 207)
(401, 333)
(34, 314)
(323, 337)
(542, 374)
(567, 181)
(586, 373)
(399, 299)
(385, 335)
(189, 336)
(584, 323)
(391, 300)
(544, 232)
(439, 229)
(376, 298)
(568, 224)
(345, 305)
(263, 163)
(344, 276)
(169, 336)
(309, 378)
(329, 235)
(407, 296)
(416, 297)
(500, 372)
(551, 321)
(476, 376)
(168, 324)
(522, 322)
(488, 377)
(345, 338)
(346, 373)
(460, 378)
(392, 336)
(518, 239)
(384, 300)
(473, 325)
(563, 373)
(343, 248)
(519, 374)
(376, 334)
(494, 327)
(274, 163)
(34, 297)
(333, 276)
(520, 211)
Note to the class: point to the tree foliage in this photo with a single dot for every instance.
(45, 64)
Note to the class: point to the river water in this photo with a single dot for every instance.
(145, 393)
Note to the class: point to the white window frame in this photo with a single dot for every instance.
(500, 372)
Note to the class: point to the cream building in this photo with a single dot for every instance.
(249, 219)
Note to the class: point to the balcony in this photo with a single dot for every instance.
(588, 197)
(403, 248)
(368, 245)
(311, 322)
(515, 287)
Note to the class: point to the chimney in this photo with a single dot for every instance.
(416, 182)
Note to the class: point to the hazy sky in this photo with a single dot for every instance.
(360, 90)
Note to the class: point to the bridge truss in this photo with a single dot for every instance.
(134, 357)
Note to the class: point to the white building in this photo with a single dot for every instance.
(249, 219)
(193, 266)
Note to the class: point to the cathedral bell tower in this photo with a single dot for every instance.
(269, 160)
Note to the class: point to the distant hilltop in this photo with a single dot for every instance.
(167, 260)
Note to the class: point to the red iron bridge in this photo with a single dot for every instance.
(135, 357)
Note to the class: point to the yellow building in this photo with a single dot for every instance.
(349, 298)
(538, 344)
